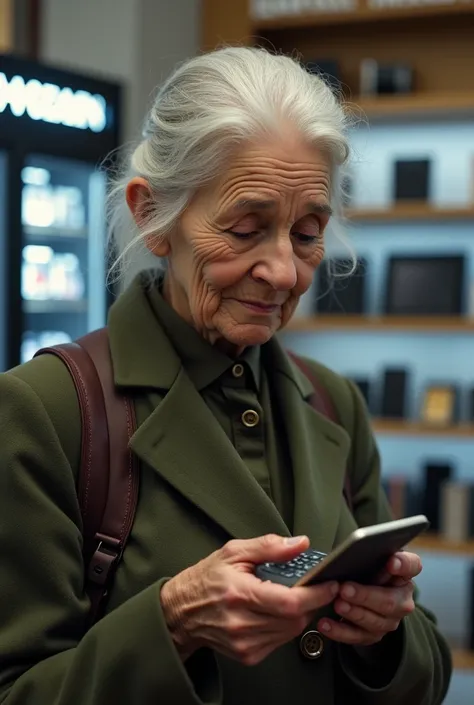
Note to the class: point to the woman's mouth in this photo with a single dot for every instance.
(259, 307)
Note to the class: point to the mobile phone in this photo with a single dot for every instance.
(360, 558)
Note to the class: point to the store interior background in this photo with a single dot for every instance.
(137, 42)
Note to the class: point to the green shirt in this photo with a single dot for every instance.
(238, 394)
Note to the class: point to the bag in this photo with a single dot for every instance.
(109, 472)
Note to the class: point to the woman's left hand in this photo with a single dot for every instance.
(370, 612)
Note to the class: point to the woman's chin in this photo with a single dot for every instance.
(244, 335)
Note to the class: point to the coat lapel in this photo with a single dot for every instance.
(185, 444)
(318, 449)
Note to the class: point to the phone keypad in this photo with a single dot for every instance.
(296, 567)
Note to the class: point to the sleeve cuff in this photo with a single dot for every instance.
(420, 671)
(198, 679)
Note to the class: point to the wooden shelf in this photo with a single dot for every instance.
(416, 211)
(463, 660)
(354, 324)
(452, 104)
(395, 427)
(437, 544)
(313, 20)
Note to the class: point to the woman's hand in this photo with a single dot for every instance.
(221, 604)
(371, 612)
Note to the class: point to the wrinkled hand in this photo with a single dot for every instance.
(221, 604)
(370, 612)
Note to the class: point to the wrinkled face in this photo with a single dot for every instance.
(247, 246)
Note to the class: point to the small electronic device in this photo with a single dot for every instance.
(360, 558)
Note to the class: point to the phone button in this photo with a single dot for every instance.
(312, 644)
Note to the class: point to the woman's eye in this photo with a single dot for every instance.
(242, 235)
(304, 238)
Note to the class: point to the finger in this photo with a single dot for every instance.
(279, 600)
(366, 619)
(263, 549)
(385, 601)
(405, 565)
(347, 633)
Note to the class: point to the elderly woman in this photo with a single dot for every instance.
(233, 187)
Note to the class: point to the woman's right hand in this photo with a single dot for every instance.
(219, 603)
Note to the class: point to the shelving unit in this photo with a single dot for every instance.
(396, 427)
(437, 40)
(463, 660)
(419, 212)
(385, 324)
(363, 14)
(437, 544)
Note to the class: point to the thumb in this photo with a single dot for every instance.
(270, 548)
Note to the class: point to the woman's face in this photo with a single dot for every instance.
(246, 248)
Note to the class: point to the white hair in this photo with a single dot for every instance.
(208, 106)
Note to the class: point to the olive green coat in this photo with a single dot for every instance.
(195, 494)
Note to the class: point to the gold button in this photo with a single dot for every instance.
(312, 645)
(250, 418)
(238, 370)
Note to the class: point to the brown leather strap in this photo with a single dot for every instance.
(109, 474)
(322, 402)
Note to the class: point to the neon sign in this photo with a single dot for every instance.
(47, 102)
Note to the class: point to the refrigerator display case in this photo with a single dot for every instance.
(56, 129)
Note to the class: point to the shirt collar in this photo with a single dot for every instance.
(203, 362)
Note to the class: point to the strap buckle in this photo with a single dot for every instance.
(103, 559)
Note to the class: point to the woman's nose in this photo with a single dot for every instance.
(277, 265)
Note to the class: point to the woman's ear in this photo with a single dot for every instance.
(139, 200)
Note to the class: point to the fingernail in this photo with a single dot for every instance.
(344, 607)
(348, 591)
(325, 626)
(397, 564)
(293, 540)
(334, 588)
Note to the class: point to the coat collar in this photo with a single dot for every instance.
(182, 441)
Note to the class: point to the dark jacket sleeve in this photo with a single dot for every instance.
(420, 657)
(45, 656)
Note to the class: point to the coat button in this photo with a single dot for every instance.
(312, 644)
(250, 418)
(238, 370)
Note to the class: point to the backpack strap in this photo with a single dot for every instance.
(322, 402)
(109, 474)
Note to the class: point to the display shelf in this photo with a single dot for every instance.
(416, 211)
(355, 323)
(463, 660)
(437, 544)
(53, 306)
(445, 104)
(394, 427)
(39, 234)
(363, 14)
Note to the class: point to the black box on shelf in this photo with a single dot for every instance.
(423, 286)
(470, 406)
(412, 179)
(341, 294)
(382, 79)
(457, 511)
(434, 475)
(365, 387)
(403, 496)
(394, 394)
